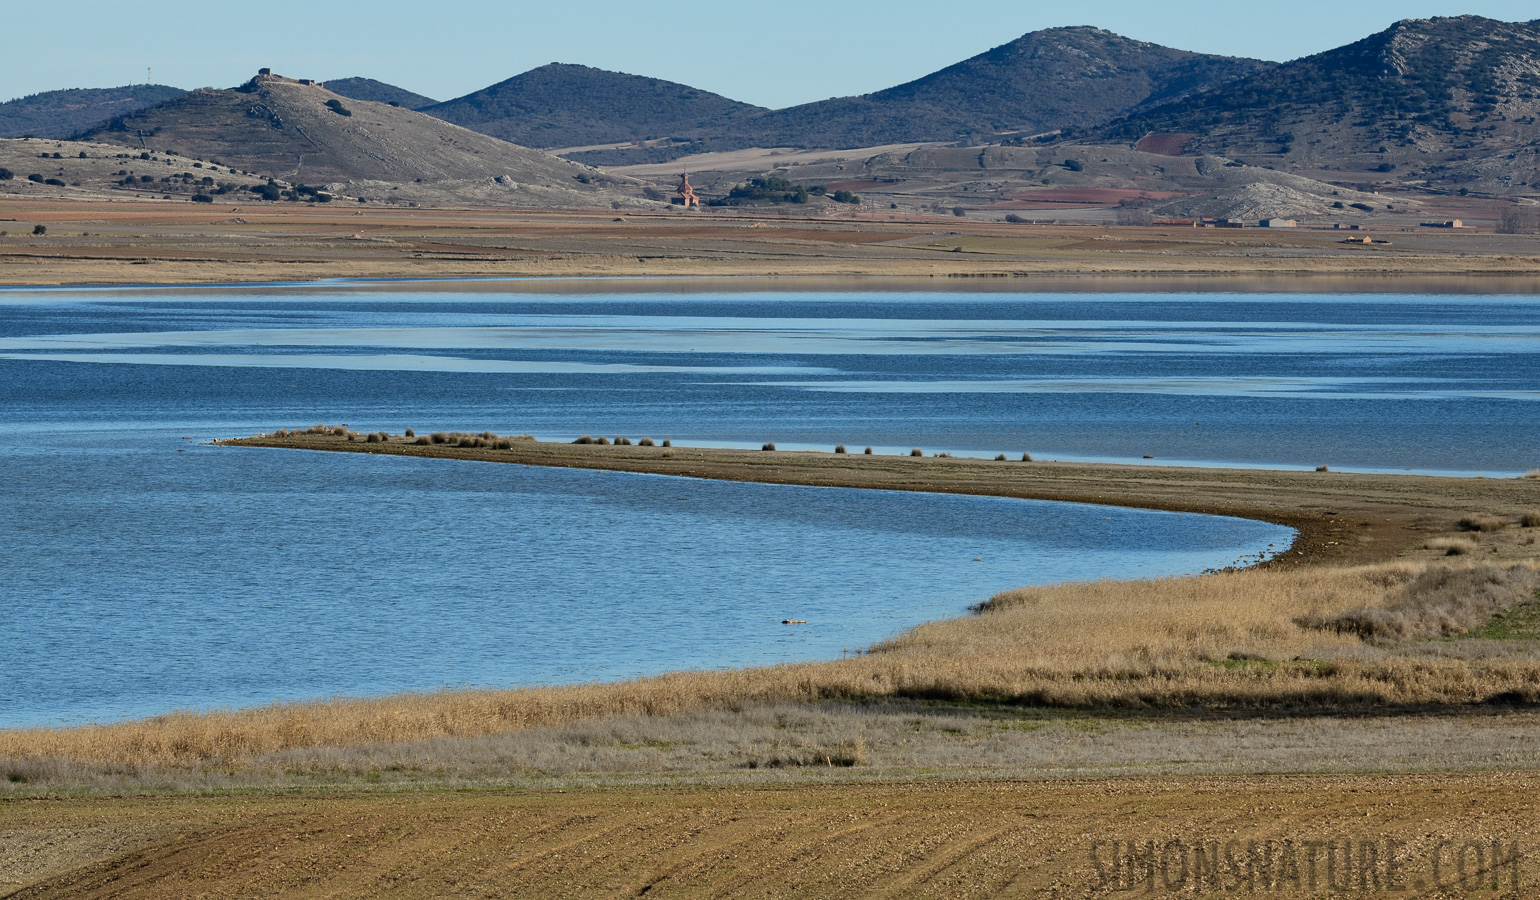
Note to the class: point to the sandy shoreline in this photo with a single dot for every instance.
(1341, 518)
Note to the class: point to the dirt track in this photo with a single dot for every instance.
(976, 839)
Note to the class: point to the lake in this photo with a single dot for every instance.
(146, 571)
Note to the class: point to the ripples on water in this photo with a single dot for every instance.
(146, 572)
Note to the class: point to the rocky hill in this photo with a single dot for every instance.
(1045, 81)
(560, 105)
(1444, 103)
(378, 92)
(302, 133)
(60, 114)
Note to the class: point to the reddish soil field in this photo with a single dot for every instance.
(1164, 144)
(1091, 196)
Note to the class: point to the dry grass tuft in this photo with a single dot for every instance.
(1323, 468)
(1483, 523)
(868, 451)
(411, 432)
(1026, 457)
(917, 452)
(768, 446)
(1451, 546)
(646, 442)
(1532, 473)
(839, 448)
(1439, 602)
(1530, 519)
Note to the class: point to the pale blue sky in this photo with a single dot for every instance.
(776, 53)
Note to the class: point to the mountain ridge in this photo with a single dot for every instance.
(566, 105)
(359, 88)
(61, 114)
(299, 131)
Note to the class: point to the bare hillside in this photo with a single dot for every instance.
(302, 133)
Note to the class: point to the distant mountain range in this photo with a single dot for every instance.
(1044, 81)
(1438, 102)
(60, 114)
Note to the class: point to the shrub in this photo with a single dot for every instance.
(489, 435)
(845, 197)
(667, 442)
(1323, 468)
(1014, 219)
(202, 198)
(585, 439)
(1482, 523)
(646, 442)
(840, 448)
(423, 441)
(336, 106)
(622, 442)
(1532, 473)
(35, 178)
(1026, 457)
(280, 433)
(340, 431)
(769, 446)
(6, 174)
(439, 437)
(959, 212)
(39, 229)
(917, 452)
(373, 438)
(1000, 458)
(266, 191)
(1074, 165)
(1530, 519)
(1451, 546)
(502, 444)
(868, 452)
(411, 432)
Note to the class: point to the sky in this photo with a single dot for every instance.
(775, 54)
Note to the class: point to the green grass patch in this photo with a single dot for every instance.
(1521, 623)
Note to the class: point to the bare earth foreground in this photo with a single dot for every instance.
(1074, 740)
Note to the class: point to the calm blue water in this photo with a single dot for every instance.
(144, 572)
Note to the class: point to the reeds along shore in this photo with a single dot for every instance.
(1381, 636)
